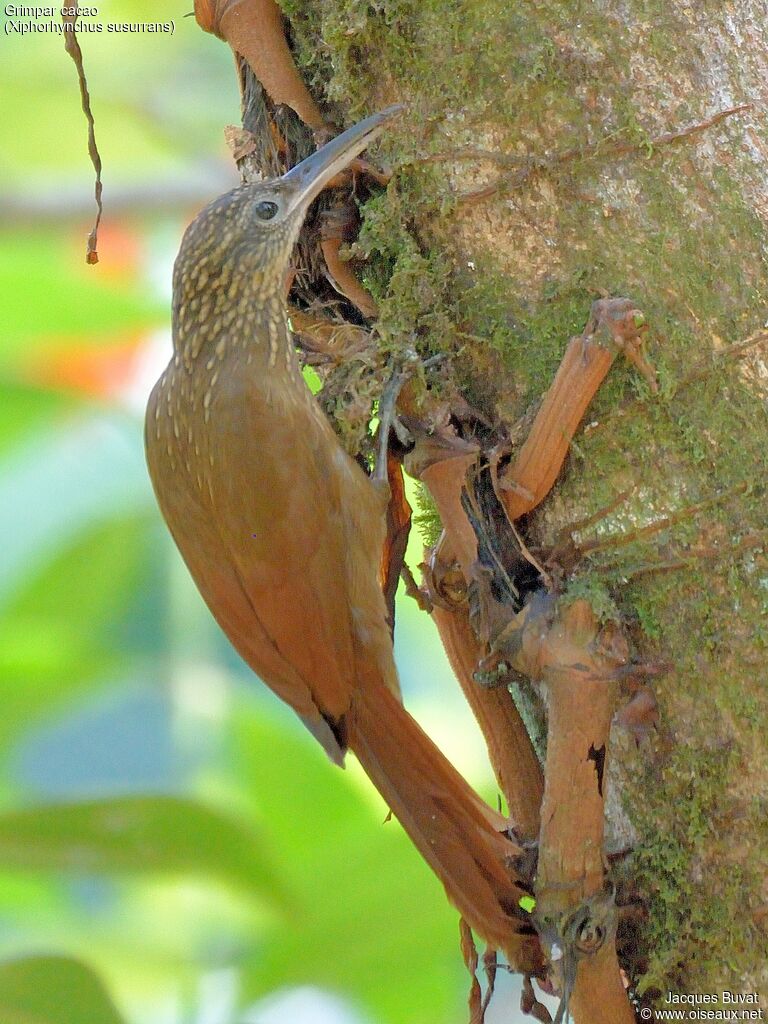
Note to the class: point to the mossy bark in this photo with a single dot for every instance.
(501, 283)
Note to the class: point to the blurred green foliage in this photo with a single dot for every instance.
(53, 990)
(59, 314)
(173, 847)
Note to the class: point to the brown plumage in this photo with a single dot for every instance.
(283, 532)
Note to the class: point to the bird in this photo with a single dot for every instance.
(282, 531)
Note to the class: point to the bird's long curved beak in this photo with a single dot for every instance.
(308, 178)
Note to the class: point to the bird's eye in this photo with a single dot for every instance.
(266, 210)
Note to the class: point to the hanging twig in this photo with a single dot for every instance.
(72, 46)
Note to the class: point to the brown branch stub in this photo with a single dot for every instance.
(580, 712)
(599, 994)
(441, 462)
(254, 29)
(510, 750)
(338, 226)
(579, 663)
(613, 325)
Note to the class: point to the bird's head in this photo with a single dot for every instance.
(241, 243)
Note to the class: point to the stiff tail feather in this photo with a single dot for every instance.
(458, 835)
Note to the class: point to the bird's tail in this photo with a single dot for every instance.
(458, 835)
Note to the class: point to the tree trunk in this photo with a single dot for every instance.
(551, 154)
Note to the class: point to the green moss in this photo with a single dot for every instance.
(673, 864)
(410, 281)
(588, 587)
(427, 518)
